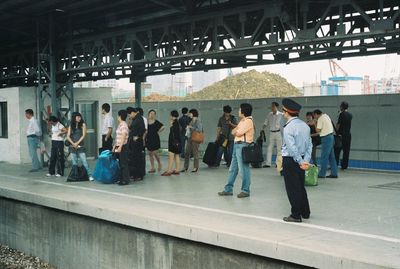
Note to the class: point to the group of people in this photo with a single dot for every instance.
(295, 141)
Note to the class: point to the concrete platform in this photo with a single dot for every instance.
(355, 220)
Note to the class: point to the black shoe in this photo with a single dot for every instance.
(332, 176)
(321, 177)
(291, 219)
(122, 183)
(305, 216)
(266, 166)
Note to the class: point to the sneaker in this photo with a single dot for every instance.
(49, 175)
(58, 175)
(91, 178)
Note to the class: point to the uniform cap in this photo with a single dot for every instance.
(291, 106)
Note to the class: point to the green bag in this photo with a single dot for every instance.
(312, 176)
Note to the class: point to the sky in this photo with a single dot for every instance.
(376, 67)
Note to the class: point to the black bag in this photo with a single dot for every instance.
(210, 155)
(338, 138)
(252, 154)
(78, 173)
(338, 141)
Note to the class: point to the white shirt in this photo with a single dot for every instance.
(33, 128)
(55, 132)
(324, 123)
(107, 123)
(274, 121)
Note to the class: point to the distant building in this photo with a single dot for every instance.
(382, 86)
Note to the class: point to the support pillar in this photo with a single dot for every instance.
(138, 89)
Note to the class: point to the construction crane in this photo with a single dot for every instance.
(334, 66)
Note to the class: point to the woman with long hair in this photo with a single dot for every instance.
(76, 136)
(153, 139)
(174, 145)
(192, 147)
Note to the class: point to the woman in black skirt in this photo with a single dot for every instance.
(174, 146)
(153, 139)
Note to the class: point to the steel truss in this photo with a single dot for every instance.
(265, 32)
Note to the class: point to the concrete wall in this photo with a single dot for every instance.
(71, 241)
(16, 146)
(375, 123)
(20, 98)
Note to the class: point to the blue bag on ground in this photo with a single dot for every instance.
(107, 168)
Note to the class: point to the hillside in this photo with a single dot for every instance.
(247, 85)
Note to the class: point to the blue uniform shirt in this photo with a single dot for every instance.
(297, 141)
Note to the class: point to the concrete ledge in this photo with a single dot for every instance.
(303, 244)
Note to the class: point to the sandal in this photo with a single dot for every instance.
(166, 174)
(175, 172)
(151, 171)
(195, 170)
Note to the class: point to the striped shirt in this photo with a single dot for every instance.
(122, 130)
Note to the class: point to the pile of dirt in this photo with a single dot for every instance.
(247, 85)
(155, 97)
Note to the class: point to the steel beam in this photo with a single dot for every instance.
(263, 32)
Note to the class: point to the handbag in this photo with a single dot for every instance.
(252, 153)
(197, 137)
(311, 176)
(338, 138)
(78, 173)
(338, 141)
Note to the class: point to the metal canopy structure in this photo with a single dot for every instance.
(52, 43)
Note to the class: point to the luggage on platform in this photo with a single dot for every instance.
(210, 156)
(107, 168)
(78, 173)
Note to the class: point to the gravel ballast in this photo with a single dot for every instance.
(14, 259)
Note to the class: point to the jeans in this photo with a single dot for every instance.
(237, 166)
(327, 156)
(227, 151)
(33, 143)
(82, 157)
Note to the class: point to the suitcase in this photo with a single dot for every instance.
(210, 156)
(311, 176)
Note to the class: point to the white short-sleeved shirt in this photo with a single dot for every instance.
(55, 132)
(324, 123)
(33, 127)
(107, 123)
(274, 121)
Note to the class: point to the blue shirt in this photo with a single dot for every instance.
(297, 141)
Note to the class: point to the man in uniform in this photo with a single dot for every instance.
(296, 153)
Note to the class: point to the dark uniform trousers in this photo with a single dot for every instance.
(124, 163)
(346, 143)
(136, 159)
(294, 182)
